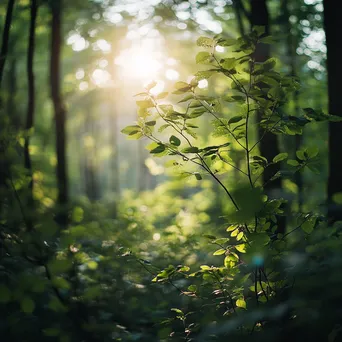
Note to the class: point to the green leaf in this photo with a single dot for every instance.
(219, 251)
(267, 40)
(239, 236)
(203, 57)
(130, 130)
(178, 311)
(240, 303)
(221, 241)
(160, 148)
(279, 157)
(163, 127)
(241, 248)
(300, 155)
(235, 119)
(308, 226)
(186, 98)
(197, 175)
(231, 228)
(260, 30)
(145, 103)
(208, 236)
(269, 64)
(293, 162)
(174, 141)
(197, 113)
(227, 262)
(192, 288)
(312, 151)
(229, 63)
(227, 41)
(182, 87)
(205, 42)
(150, 123)
(195, 104)
(151, 85)
(161, 95)
(205, 74)
(191, 149)
(27, 305)
(166, 109)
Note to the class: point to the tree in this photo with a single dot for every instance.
(5, 38)
(334, 53)
(31, 93)
(59, 109)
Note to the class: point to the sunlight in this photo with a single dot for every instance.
(158, 88)
(139, 63)
(100, 77)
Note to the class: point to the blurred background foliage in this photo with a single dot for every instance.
(80, 267)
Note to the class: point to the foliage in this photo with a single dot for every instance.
(251, 291)
(201, 255)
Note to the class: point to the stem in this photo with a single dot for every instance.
(203, 164)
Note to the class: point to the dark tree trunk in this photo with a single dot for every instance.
(12, 94)
(30, 104)
(269, 144)
(334, 53)
(31, 88)
(259, 16)
(238, 9)
(291, 45)
(59, 110)
(5, 38)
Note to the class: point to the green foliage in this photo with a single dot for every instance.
(244, 279)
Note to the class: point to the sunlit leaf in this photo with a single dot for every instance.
(240, 303)
(279, 157)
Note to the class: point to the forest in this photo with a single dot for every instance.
(170, 170)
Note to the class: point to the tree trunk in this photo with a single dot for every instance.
(12, 94)
(59, 111)
(31, 89)
(334, 53)
(114, 162)
(238, 12)
(268, 146)
(5, 38)
(91, 183)
(291, 45)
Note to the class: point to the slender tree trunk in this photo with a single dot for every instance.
(142, 169)
(334, 53)
(31, 89)
(114, 162)
(291, 52)
(238, 12)
(114, 178)
(269, 146)
(12, 94)
(5, 37)
(59, 110)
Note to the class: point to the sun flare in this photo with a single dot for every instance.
(138, 63)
